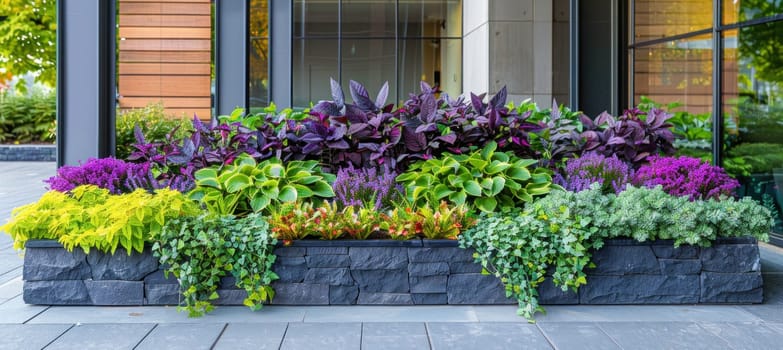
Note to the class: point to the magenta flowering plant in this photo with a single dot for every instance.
(366, 188)
(109, 173)
(580, 173)
(687, 177)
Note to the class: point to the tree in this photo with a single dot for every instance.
(28, 38)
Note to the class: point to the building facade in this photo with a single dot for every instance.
(719, 61)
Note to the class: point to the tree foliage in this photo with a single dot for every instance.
(28, 38)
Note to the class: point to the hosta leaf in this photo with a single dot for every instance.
(486, 204)
(237, 182)
(496, 166)
(489, 150)
(287, 194)
(498, 183)
(322, 189)
(458, 198)
(441, 191)
(259, 203)
(302, 191)
(472, 188)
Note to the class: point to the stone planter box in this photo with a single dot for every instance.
(409, 272)
(37, 153)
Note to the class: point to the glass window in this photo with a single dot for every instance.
(368, 19)
(314, 62)
(655, 19)
(370, 62)
(258, 55)
(430, 19)
(680, 72)
(374, 41)
(436, 61)
(753, 111)
(316, 18)
(743, 10)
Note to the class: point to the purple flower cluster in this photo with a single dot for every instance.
(366, 187)
(686, 176)
(109, 173)
(610, 172)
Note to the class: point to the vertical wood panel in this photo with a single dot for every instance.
(164, 55)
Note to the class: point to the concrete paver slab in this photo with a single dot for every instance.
(238, 336)
(485, 336)
(420, 313)
(16, 311)
(333, 336)
(11, 289)
(750, 336)
(185, 336)
(662, 335)
(166, 314)
(577, 335)
(766, 313)
(27, 336)
(391, 336)
(101, 336)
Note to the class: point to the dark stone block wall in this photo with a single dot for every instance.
(404, 273)
(36, 153)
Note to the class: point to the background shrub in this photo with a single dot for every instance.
(154, 125)
(28, 119)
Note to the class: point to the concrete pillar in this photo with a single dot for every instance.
(231, 90)
(520, 44)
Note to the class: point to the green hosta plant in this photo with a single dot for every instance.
(90, 217)
(199, 250)
(519, 247)
(246, 186)
(484, 179)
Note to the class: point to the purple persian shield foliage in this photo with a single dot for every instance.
(610, 172)
(366, 188)
(109, 173)
(361, 134)
(687, 177)
(632, 136)
(175, 161)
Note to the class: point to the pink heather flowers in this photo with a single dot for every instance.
(610, 172)
(109, 173)
(366, 188)
(685, 176)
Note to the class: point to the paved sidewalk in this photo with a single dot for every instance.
(367, 327)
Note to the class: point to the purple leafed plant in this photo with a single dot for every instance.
(366, 188)
(610, 172)
(687, 177)
(632, 136)
(109, 173)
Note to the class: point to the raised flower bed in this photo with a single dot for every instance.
(408, 272)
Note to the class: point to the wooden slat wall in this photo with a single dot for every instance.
(164, 55)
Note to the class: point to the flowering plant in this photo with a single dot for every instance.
(609, 172)
(366, 188)
(687, 177)
(112, 174)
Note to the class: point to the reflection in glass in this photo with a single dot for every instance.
(430, 19)
(680, 73)
(753, 111)
(316, 18)
(370, 62)
(656, 19)
(368, 19)
(258, 54)
(743, 10)
(314, 62)
(436, 61)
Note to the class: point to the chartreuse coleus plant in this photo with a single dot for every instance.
(199, 250)
(91, 217)
(246, 186)
(484, 179)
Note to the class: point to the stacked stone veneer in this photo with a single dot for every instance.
(38, 153)
(411, 272)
